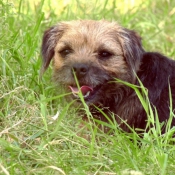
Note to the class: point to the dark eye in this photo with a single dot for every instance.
(66, 51)
(104, 54)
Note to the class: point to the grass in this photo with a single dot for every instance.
(31, 141)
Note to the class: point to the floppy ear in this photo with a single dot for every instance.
(50, 39)
(132, 48)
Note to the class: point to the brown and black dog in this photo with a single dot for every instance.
(98, 53)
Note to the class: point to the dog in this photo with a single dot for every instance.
(98, 53)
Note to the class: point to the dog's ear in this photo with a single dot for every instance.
(132, 48)
(50, 39)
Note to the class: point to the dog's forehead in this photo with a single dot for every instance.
(91, 28)
(89, 32)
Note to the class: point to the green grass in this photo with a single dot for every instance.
(31, 142)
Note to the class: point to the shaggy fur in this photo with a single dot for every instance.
(100, 52)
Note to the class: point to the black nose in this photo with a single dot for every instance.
(80, 69)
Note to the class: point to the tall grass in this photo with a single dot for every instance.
(31, 140)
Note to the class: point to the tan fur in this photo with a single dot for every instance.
(85, 43)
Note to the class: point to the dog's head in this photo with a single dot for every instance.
(95, 52)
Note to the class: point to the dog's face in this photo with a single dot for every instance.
(95, 52)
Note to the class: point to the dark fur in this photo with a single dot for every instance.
(157, 74)
(155, 71)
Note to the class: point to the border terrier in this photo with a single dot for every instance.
(99, 53)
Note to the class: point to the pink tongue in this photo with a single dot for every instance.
(83, 89)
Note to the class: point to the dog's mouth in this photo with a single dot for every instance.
(88, 92)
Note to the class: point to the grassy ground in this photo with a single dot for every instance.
(31, 142)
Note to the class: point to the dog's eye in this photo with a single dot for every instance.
(104, 54)
(65, 52)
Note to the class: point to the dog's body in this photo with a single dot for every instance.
(98, 53)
